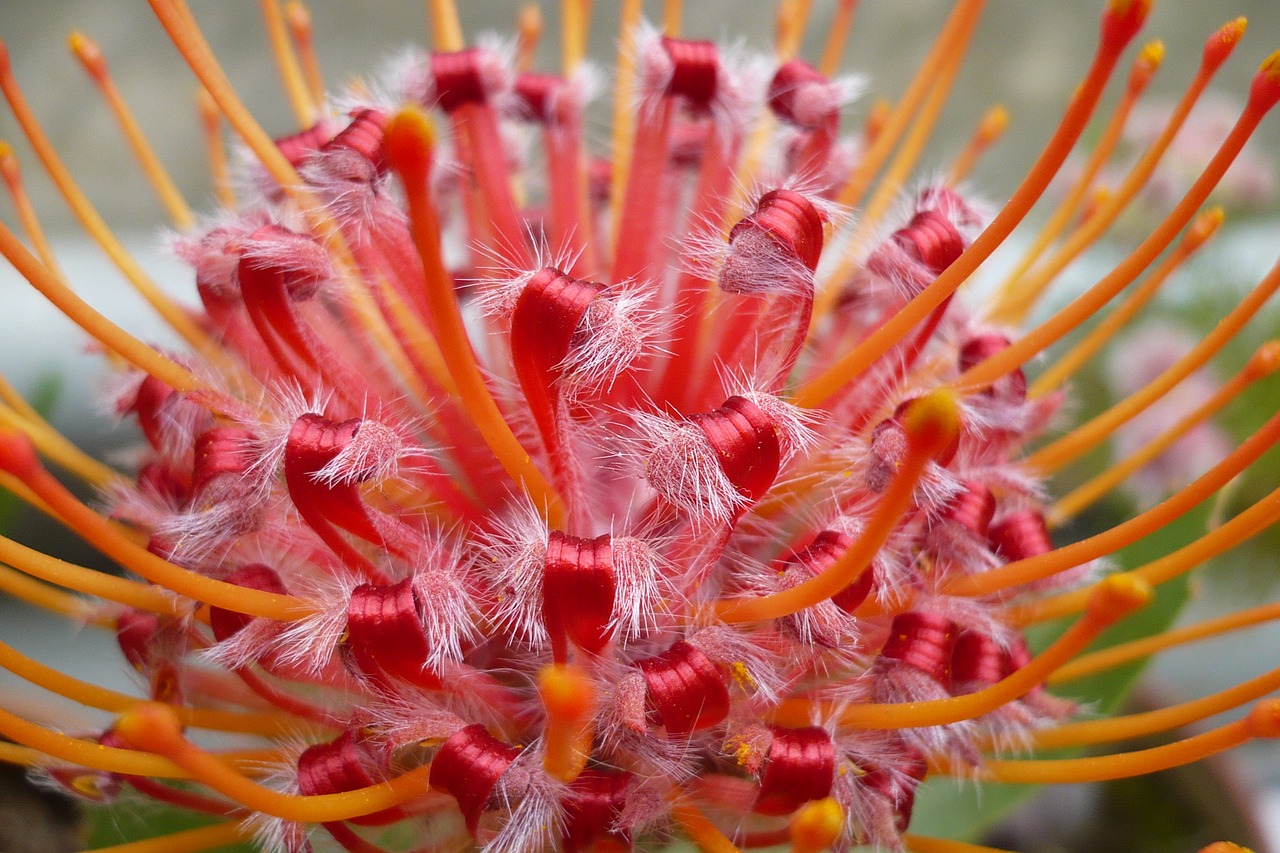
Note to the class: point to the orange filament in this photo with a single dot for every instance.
(816, 826)
(70, 576)
(295, 84)
(699, 828)
(108, 539)
(528, 34)
(993, 125)
(575, 23)
(1201, 230)
(672, 17)
(568, 696)
(219, 172)
(624, 120)
(1139, 725)
(186, 841)
(54, 445)
(1109, 601)
(154, 728)
(1097, 223)
(837, 37)
(21, 586)
(93, 696)
(1261, 723)
(95, 226)
(926, 844)
(298, 18)
(86, 753)
(12, 173)
(1125, 652)
(1083, 438)
(1032, 569)
(1088, 303)
(1012, 301)
(90, 56)
(445, 26)
(96, 325)
(818, 389)
(1264, 362)
(931, 422)
(1244, 526)
(793, 17)
(408, 143)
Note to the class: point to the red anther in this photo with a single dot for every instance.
(462, 77)
(801, 767)
(294, 261)
(468, 766)
(789, 219)
(746, 443)
(972, 508)
(342, 765)
(578, 588)
(897, 783)
(799, 94)
(148, 404)
(136, 635)
(538, 95)
(226, 623)
(686, 690)
(385, 635)
(221, 452)
(923, 641)
(821, 553)
(695, 70)
(315, 440)
(591, 809)
(299, 146)
(162, 478)
(977, 659)
(981, 347)
(931, 239)
(1020, 535)
(363, 136)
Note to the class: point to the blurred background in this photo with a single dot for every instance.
(1026, 56)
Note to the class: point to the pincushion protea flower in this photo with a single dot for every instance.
(522, 499)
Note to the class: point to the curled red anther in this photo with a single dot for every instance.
(299, 146)
(695, 70)
(385, 635)
(463, 77)
(136, 632)
(345, 764)
(821, 553)
(746, 443)
(363, 136)
(276, 259)
(315, 440)
(578, 588)
(149, 403)
(931, 239)
(981, 347)
(592, 806)
(468, 766)
(686, 691)
(897, 781)
(163, 478)
(971, 508)
(793, 226)
(977, 660)
(226, 623)
(801, 95)
(1020, 535)
(221, 452)
(801, 767)
(923, 641)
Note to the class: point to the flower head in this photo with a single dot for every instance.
(519, 492)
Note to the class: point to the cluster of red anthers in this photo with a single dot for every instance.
(515, 497)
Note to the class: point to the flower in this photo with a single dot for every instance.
(515, 497)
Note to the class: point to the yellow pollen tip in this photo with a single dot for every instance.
(1150, 57)
(1203, 227)
(87, 51)
(567, 692)
(1225, 847)
(409, 141)
(1270, 68)
(932, 422)
(816, 825)
(1118, 596)
(1264, 719)
(1265, 361)
(995, 122)
(150, 726)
